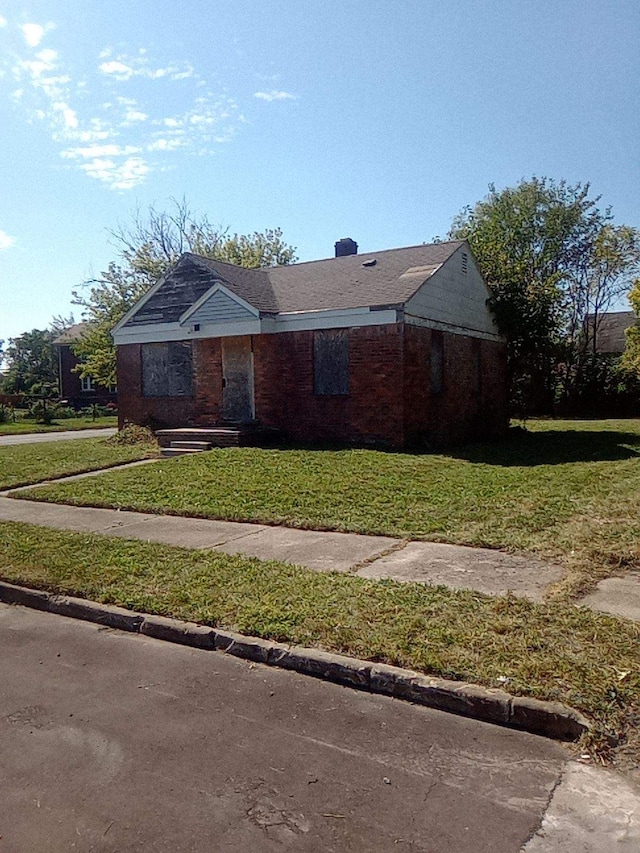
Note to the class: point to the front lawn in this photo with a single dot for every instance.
(22, 426)
(566, 490)
(21, 464)
(552, 651)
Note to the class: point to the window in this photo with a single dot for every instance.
(167, 369)
(437, 362)
(331, 362)
(86, 383)
(465, 263)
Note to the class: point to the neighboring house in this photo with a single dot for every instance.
(76, 390)
(395, 347)
(610, 331)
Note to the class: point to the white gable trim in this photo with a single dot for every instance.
(218, 287)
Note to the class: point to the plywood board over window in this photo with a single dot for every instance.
(437, 362)
(167, 369)
(331, 362)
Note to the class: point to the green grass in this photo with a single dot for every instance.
(21, 464)
(20, 427)
(551, 651)
(566, 490)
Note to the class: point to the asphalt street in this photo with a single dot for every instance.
(116, 742)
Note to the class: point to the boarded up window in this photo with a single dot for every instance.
(331, 362)
(477, 366)
(167, 369)
(437, 362)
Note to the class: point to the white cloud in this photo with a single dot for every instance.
(274, 95)
(109, 150)
(163, 144)
(122, 176)
(113, 139)
(118, 69)
(6, 240)
(34, 33)
(124, 67)
(3, 22)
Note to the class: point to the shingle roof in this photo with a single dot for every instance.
(389, 277)
(354, 281)
(72, 334)
(611, 330)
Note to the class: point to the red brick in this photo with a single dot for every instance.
(390, 401)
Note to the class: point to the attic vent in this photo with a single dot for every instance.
(370, 263)
(465, 262)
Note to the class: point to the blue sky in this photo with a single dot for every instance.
(362, 118)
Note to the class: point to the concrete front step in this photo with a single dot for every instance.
(177, 451)
(219, 436)
(190, 445)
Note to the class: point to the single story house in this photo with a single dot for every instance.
(78, 391)
(397, 348)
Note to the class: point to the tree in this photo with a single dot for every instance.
(601, 277)
(147, 248)
(537, 246)
(32, 364)
(631, 357)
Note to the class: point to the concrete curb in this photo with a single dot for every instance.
(550, 719)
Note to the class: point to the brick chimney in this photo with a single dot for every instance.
(346, 246)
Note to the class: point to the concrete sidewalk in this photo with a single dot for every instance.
(487, 571)
(62, 435)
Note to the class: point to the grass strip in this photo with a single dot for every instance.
(22, 464)
(564, 490)
(552, 651)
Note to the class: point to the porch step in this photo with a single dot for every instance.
(177, 451)
(240, 435)
(190, 445)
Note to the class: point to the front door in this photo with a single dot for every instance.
(237, 380)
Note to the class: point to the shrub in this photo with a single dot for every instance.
(132, 434)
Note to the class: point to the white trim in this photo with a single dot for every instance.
(299, 321)
(294, 322)
(414, 320)
(153, 333)
(218, 287)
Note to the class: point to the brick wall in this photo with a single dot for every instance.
(390, 399)
(155, 412)
(472, 403)
(372, 411)
(70, 384)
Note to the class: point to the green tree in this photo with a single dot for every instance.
(32, 366)
(530, 240)
(147, 248)
(631, 357)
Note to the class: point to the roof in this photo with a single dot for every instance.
(389, 277)
(72, 334)
(611, 330)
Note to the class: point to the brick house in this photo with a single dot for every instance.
(397, 348)
(77, 391)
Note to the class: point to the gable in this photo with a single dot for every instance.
(454, 297)
(216, 308)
